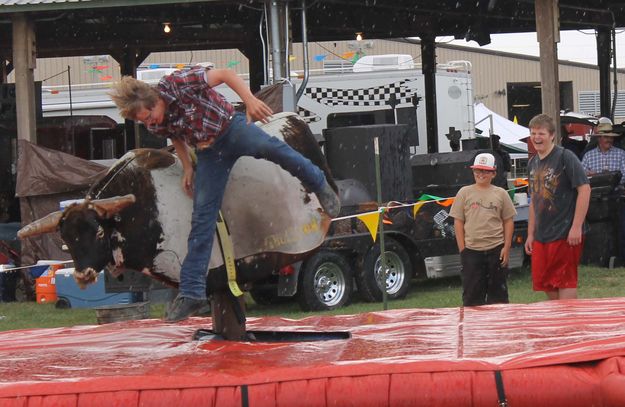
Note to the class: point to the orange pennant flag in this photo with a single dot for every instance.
(520, 182)
(447, 202)
(371, 221)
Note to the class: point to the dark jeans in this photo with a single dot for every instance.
(483, 277)
(8, 283)
(211, 175)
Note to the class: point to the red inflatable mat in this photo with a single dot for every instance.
(563, 353)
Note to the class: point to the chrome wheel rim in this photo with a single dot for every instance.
(329, 284)
(396, 272)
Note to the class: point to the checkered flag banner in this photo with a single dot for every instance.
(376, 96)
(307, 115)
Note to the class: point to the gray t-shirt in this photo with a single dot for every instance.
(553, 183)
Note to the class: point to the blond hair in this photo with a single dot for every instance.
(131, 95)
(543, 121)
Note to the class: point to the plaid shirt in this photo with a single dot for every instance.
(195, 112)
(596, 161)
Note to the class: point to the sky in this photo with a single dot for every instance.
(578, 46)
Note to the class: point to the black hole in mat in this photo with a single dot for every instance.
(275, 336)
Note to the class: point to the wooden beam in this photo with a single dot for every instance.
(548, 31)
(604, 53)
(428, 66)
(24, 58)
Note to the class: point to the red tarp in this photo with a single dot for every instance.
(561, 353)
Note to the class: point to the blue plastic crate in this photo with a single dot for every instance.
(70, 295)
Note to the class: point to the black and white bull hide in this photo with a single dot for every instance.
(138, 218)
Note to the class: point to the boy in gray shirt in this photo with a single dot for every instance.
(560, 194)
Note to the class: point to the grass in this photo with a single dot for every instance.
(594, 282)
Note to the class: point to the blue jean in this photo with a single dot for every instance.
(211, 175)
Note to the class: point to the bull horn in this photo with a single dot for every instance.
(108, 207)
(46, 224)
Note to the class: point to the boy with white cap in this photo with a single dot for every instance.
(484, 221)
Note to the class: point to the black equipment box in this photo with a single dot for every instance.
(350, 154)
(442, 174)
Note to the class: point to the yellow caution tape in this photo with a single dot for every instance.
(228, 254)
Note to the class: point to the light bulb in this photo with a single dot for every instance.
(358, 36)
(167, 28)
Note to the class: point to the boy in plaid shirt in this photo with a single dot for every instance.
(186, 108)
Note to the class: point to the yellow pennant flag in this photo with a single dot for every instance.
(515, 120)
(371, 221)
(416, 208)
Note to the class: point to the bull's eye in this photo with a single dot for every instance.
(100, 234)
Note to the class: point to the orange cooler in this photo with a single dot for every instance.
(44, 285)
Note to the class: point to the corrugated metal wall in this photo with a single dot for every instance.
(491, 71)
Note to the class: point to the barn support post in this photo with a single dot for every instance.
(226, 322)
(604, 48)
(548, 31)
(279, 34)
(254, 53)
(24, 58)
(129, 60)
(428, 67)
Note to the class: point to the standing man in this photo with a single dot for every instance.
(186, 108)
(560, 194)
(606, 157)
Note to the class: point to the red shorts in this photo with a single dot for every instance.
(554, 265)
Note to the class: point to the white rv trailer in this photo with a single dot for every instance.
(335, 98)
(361, 94)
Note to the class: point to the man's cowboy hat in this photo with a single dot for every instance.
(604, 128)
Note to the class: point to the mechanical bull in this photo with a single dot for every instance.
(136, 217)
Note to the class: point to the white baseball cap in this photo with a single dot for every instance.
(484, 161)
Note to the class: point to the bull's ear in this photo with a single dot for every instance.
(46, 224)
(107, 208)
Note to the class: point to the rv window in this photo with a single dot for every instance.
(361, 118)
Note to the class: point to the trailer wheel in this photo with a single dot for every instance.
(325, 283)
(399, 272)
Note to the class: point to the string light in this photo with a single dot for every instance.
(358, 36)
(166, 28)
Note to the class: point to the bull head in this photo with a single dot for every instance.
(85, 237)
(105, 208)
